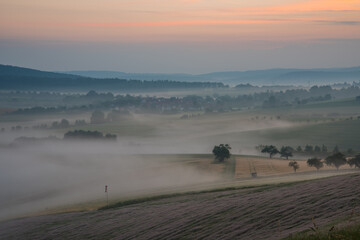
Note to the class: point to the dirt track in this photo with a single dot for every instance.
(234, 214)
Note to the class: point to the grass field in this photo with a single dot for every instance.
(340, 107)
(342, 133)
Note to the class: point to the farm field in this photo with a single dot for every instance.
(340, 133)
(136, 176)
(238, 129)
(272, 167)
(335, 108)
(269, 212)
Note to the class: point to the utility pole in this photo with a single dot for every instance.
(107, 195)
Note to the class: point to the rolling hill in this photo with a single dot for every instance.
(255, 77)
(17, 78)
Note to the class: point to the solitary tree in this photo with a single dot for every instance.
(221, 152)
(336, 160)
(271, 150)
(315, 162)
(355, 161)
(97, 117)
(294, 165)
(286, 151)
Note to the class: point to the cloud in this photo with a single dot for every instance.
(178, 23)
(351, 23)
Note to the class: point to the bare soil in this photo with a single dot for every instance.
(270, 212)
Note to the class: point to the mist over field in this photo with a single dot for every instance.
(161, 143)
(42, 176)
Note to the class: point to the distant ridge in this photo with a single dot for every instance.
(18, 78)
(256, 77)
(14, 71)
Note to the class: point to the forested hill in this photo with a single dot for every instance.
(17, 78)
(320, 76)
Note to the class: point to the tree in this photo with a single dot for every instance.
(97, 117)
(317, 149)
(350, 151)
(299, 149)
(294, 165)
(88, 135)
(80, 122)
(64, 123)
(221, 152)
(92, 94)
(81, 134)
(110, 136)
(286, 151)
(336, 149)
(55, 124)
(324, 149)
(115, 116)
(315, 162)
(308, 149)
(271, 150)
(336, 160)
(355, 161)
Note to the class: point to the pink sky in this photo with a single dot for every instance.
(164, 20)
(180, 22)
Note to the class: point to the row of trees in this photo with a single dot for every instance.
(287, 151)
(97, 117)
(89, 135)
(336, 160)
(215, 103)
(63, 123)
(222, 152)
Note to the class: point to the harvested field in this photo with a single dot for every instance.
(271, 167)
(268, 212)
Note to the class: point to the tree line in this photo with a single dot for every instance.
(215, 103)
(287, 151)
(337, 159)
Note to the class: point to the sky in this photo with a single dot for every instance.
(179, 36)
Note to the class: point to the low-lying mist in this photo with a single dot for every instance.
(36, 177)
(42, 175)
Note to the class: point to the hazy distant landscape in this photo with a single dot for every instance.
(300, 77)
(61, 146)
(183, 119)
